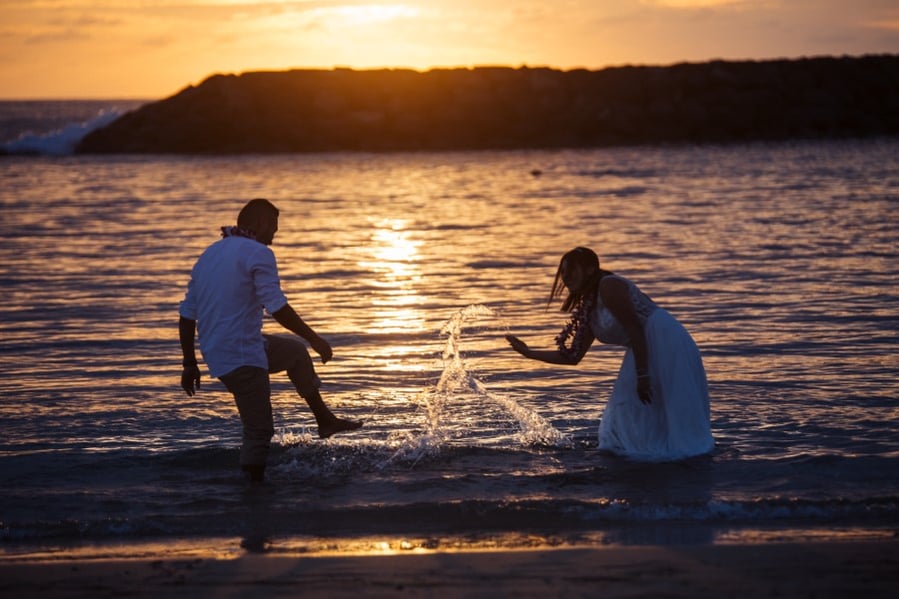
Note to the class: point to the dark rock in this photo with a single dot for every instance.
(499, 107)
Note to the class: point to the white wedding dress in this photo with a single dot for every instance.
(676, 424)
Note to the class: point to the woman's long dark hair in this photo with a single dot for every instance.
(572, 340)
(584, 258)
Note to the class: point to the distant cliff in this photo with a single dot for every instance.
(496, 107)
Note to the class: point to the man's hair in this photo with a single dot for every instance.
(254, 210)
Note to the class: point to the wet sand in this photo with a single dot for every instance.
(807, 569)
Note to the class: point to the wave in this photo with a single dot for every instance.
(487, 264)
(619, 173)
(421, 484)
(269, 511)
(59, 142)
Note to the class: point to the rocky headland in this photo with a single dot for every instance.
(504, 108)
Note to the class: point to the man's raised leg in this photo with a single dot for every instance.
(290, 354)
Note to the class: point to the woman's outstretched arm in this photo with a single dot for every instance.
(550, 356)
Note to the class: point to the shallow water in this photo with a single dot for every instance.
(780, 259)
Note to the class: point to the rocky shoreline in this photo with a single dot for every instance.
(509, 108)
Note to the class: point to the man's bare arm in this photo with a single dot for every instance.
(290, 320)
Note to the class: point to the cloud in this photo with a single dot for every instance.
(691, 4)
(60, 36)
(888, 20)
(84, 20)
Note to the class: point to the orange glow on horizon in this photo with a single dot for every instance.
(150, 50)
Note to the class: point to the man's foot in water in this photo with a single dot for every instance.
(339, 425)
(255, 473)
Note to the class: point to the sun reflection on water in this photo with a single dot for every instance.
(394, 260)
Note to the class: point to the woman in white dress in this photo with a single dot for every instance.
(659, 408)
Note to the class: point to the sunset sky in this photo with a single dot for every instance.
(151, 49)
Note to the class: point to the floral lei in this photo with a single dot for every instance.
(576, 328)
(238, 232)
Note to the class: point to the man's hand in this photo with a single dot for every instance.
(322, 348)
(290, 320)
(190, 377)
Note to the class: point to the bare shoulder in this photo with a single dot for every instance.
(612, 286)
(614, 291)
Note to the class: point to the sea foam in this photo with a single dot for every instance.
(59, 142)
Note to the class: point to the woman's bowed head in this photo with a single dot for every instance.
(659, 406)
(580, 274)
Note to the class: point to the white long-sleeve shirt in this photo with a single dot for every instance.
(233, 281)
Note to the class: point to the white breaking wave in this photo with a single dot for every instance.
(60, 142)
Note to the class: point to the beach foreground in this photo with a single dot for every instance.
(868, 568)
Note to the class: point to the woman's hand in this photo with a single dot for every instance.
(518, 345)
(644, 388)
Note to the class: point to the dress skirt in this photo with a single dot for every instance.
(676, 424)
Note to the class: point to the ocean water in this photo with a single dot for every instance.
(781, 259)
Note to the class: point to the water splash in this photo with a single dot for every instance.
(450, 406)
(535, 430)
(455, 376)
(458, 379)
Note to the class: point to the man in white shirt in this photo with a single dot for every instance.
(230, 285)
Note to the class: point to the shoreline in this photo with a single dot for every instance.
(820, 568)
(671, 534)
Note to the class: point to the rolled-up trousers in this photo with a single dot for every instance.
(252, 392)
